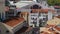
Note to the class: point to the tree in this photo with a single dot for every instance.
(53, 2)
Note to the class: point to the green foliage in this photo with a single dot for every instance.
(53, 2)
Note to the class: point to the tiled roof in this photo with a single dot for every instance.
(14, 22)
(58, 7)
(56, 21)
(42, 10)
(58, 28)
(58, 16)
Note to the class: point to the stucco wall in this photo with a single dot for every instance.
(2, 2)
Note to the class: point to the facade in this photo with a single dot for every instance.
(42, 16)
(2, 6)
(33, 20)
(57, 11)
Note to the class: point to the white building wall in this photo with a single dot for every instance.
(34, 0)
(2, 6)
(31, 21)
(50, 15)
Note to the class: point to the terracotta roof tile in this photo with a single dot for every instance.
(58, 16)
(14, 22)
(41, 10)
(56, 6)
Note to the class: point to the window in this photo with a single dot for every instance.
(58, 11)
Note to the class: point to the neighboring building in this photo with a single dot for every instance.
(57, 10)
(2, 6)
(33, 19)
(42, 15)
